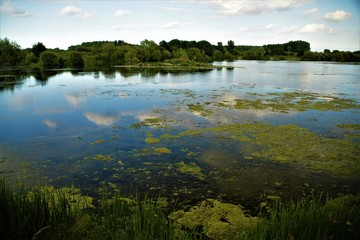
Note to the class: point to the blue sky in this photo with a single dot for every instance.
(331, 24)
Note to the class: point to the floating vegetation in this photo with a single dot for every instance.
(185, 92)
(70, 194)
(290, 143)
(200, 109)
(350, 126)
(153, 151)
(292, 101)
(191, 168)
(102, 157)
(98, 141)
(218, 220)
(150, 139)
(151, 122)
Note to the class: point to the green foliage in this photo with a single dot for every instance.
(25, 214)
(10, 53)
(49, 213)
(314, 218)
(76, 60)
(100, 54)
(49, 59)
(38, 48)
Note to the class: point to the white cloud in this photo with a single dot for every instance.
(70, 10)
(134, 26)
(315, 28)
(76, 12)
(338, 15)
(172, 9)
(257, 28)
(122, 12)
(290, 29)
(235, 7)
(10, 9)
(269, 26)
(174, 24)
(310, 12)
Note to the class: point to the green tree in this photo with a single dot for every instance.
(76, 60)
(218, 55)
(38, 48)
(151, 51)
(230, 45)
(131, 56)
(195, 54)
(181, 54)
(49, 59)
(10, 53)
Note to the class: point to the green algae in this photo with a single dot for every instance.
(153, 151)
(71, 194)
(218, 220)
(151, 122)
(292, 101)
(150, 139)
(102, 157)
(293, 144)
(191, 168)
(98, 141)
(200, 109)
(350, 126)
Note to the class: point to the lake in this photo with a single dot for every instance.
(241, 132)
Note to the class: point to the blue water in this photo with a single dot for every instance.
(48, 127)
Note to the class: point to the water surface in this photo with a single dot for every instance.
(94, 129)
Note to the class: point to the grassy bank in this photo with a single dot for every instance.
(48, 213)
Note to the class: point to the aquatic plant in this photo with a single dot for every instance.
(150, 139)
(312, 217)
(217, 220)
(200, 109)
(191, 168)
(292, 101)
(26, 214)
(153, 151)
(290, 143)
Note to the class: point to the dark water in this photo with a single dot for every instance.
(66, 128)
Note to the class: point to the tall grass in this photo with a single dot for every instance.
(24, 214)
(315, 218)
(35, 214)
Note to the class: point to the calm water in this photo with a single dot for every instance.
(77, 128)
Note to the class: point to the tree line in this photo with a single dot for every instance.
(108, 53)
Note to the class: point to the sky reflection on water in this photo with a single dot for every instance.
(52, 127)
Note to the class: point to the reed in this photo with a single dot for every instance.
(25, 214)
(38, 214)
(315, 218)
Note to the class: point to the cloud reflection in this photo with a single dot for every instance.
(50, 123)
(101, 119)
(75, 101)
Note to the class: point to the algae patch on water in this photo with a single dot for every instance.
(72, 195)
(292, 101)
(218, 220)
(151, 122)
(153, 151)
(200, 110)
(191, 168)
(290, 143)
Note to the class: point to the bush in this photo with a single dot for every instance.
(49, 59)
(76, 60)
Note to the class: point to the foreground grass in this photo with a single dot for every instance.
(311, 218)
(64, 214)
